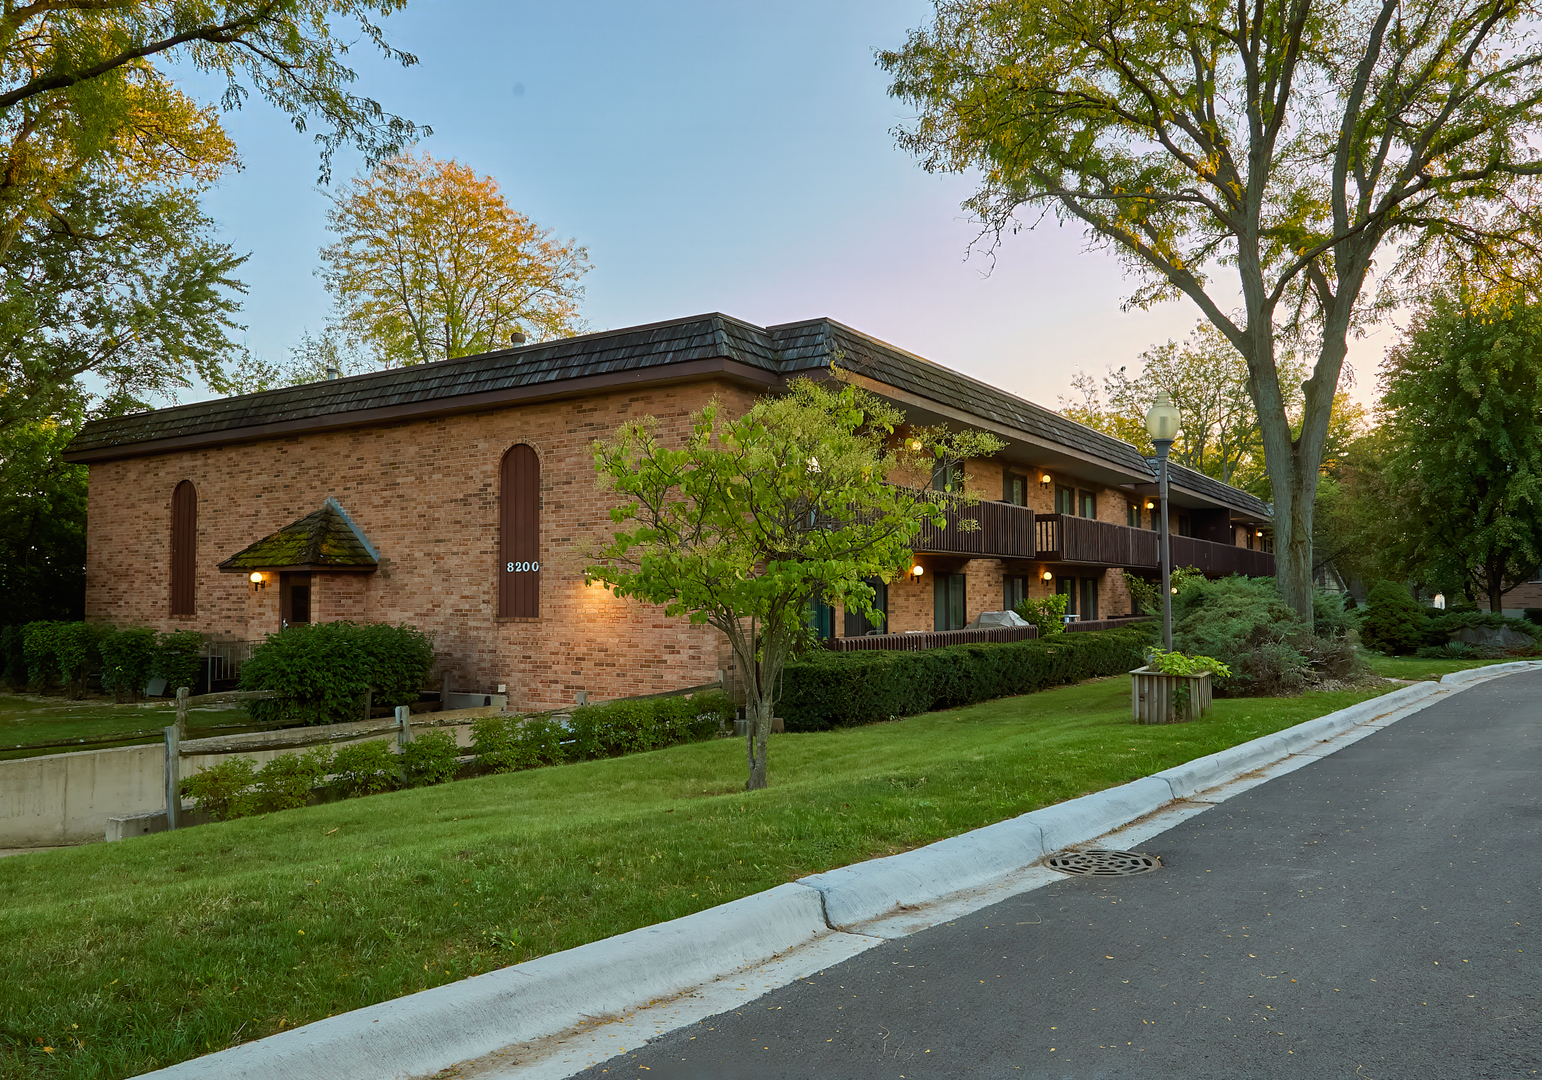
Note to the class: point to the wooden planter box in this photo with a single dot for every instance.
(1156, 698)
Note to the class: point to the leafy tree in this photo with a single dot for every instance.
(751, 518)
(1462, 405)
(1255, 158)
(431, 262)
(42, 523)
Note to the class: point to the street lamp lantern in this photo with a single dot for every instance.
(1162, 426)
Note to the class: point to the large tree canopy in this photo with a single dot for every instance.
(431, 262)
(1255, 157)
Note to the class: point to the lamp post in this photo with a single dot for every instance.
(1162, 426)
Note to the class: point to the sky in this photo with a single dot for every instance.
(725, 156)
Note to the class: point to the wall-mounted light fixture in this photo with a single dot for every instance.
(257, 580)
(917, 570)
(1150, 505)
(1260, 532)
(1045, 480)
(1047, 576)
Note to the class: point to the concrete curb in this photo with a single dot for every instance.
(425, 1032)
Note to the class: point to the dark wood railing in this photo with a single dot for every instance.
(931, 640)
(1220, 560)
(1085, 540)
(1104, 624)
(1004, 532)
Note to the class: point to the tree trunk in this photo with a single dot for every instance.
(759, 713)
(1496, 591)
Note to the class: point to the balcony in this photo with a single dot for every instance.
(1221, 560)
(1066, 539)
(1005, 532)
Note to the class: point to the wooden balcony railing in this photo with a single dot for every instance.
(1220, 560)
(1005, 532)
(1085, 540)
(930, 640)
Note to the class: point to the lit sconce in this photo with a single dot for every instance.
(1045, 480)
(1150, 505)
(918, 570)
(1260, 532)
(257, 580)
(1047, 576)
(915, 444)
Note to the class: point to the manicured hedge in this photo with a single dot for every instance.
(507, 743)
(831, 690)
(321, 671)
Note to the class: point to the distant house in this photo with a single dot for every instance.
(1529, 595)
(460, 497)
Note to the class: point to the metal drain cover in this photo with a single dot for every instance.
(1100, 863)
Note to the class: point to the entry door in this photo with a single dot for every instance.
(294, 599)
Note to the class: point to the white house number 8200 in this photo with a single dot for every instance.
(523, 567)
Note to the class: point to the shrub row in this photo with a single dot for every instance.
(42, 655)
(1395, 623)
(506, 743)
(320, 672)
(831, 690)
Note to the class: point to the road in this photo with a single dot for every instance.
(1372, 916)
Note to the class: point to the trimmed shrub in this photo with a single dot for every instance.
(1392, 620)
(431, 758)
(1444, 627)
(286, 782)
(832, 690)
(1047, 613)
(507, 743)
(322, 671)
(127, 656)
(40, 653)
(76, 650)
(366, 768)
(224, 790)
(177, 659)
(13, 661)
(628, 727)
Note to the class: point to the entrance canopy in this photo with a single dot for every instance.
(326, 541)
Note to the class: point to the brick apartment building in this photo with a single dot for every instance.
(460, 497)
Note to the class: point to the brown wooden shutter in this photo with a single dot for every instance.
(184, 547)
(519, 531)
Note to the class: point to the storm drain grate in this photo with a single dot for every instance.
(1100, 863)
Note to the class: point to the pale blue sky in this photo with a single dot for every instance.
(712, 156)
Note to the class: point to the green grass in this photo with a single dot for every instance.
(1413, 668)
(131, 956)
(33, 719)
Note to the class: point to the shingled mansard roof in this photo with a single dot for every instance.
(325, 539)
(687, 348)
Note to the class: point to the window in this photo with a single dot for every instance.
(519, 533)
(1065, 501)
(858, 625)
(948, 599)
(1132, 515)
(294, 598)
(1081, 596)
(948, 477)
(1087, 504)
(1015, 490)
(821, 619)
(184, 548)
(1014, 590)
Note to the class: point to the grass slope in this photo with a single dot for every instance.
(33, 719)
(119, 958)
(1413, 669)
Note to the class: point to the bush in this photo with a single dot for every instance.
(833, 690)
(177, 658)
(322, 671)
(40, 653)
(1444, 627)
(1244, 623)
(627, 727)
(1392, 620)
(127, 656)
(1047, 613)
(13, 662)
(431, 758)
(366, 768)
(224, 790)
(286, 782)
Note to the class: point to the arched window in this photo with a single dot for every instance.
(519, 532)
(184, 547)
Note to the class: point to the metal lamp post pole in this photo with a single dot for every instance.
(1162, 447)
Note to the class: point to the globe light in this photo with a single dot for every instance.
(1162, 420)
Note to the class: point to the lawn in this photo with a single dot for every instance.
(1412, 668)
(29, 718)
(120, 958)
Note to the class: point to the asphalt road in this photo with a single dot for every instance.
(1372, 916)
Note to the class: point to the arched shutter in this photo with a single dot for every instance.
(184, 547)
(519, 531)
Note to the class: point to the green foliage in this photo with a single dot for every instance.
(42, 520)
(177, 659)
(1532, 614)
(40, 652)
(1451, 650)
(322, 670)
(1267, 649)
(366, 768)
(1047, 613)
(1462, 401)
(13, 658)
(1177, 663)
(507, 743)
(842, 689)
(752, 518)
(225, 790)
(77, 653)
(1393, 622)
(432, 757)
(286, 782)
(127, 657)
